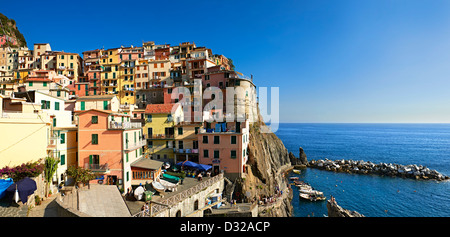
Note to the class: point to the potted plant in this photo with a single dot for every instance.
(80, 175)
(37, 200)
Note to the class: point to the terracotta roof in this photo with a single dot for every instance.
(39, 79)
(160, 108)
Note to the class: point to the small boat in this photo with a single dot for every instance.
(312, 197)
(296, 171)
(294, 178)
(311, 192)
(158, 186)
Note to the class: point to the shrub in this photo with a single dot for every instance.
(29, 169)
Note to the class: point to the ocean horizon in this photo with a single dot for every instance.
(372, 195)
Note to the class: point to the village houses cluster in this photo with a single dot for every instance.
(114, 111)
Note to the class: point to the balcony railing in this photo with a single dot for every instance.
(97, 167)
(129, 146)
(124, 125)
(160, 136)
(185, 151)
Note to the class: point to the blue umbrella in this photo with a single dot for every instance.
(204, 167)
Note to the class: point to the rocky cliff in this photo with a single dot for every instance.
(267, 163)
(9, 28)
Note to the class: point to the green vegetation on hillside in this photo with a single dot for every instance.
(9, 28)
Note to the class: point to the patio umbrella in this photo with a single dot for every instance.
(25, 187)
(204, 167)
(188, 164)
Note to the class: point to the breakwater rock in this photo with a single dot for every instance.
(385, 169)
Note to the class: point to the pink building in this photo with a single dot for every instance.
(224, 146)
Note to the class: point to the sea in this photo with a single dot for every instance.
(372, 195)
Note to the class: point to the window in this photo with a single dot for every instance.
(63, 159)
(216, 140)
(58, 93)
(205, 139)
(205, 153)
(45, 84)
(150, 144)
(180, 131)
(94, 139)
(105, 105)
(233, 139)
(56, 105)
(94, 120)
(216, 154)
(196, 130)
(54, 122)
(83, 103)
(63, 138)
(30, 83)
(180, 144)
(233, 154)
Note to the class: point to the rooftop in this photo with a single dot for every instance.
(160, 108)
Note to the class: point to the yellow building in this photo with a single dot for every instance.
(159, 130)
(109, 62)
(68, 64)
(127, 90)
(25, 132)
(186, 141)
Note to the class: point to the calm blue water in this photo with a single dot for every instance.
(371, 195)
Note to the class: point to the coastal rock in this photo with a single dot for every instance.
(302, 156)
(386, 169)
(334, 210)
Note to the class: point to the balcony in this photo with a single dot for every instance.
(133, 146)
(185, 151)
(104, 168)
(124, 125)
(161, 136)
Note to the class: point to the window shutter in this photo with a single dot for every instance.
(90, 159)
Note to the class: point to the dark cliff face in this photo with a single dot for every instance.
(268, 160)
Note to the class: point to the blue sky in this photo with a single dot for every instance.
(334, 61)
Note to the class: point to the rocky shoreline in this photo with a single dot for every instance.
(418, 172)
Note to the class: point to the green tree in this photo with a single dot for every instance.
(51, 164)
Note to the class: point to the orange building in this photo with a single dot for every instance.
(108, 143)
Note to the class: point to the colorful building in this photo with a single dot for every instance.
(107, 144)
(186, 141)
(159, 130)
(225, 147)
(25, 130)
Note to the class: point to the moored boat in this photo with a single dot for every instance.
(312, 197)
(296, 171)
